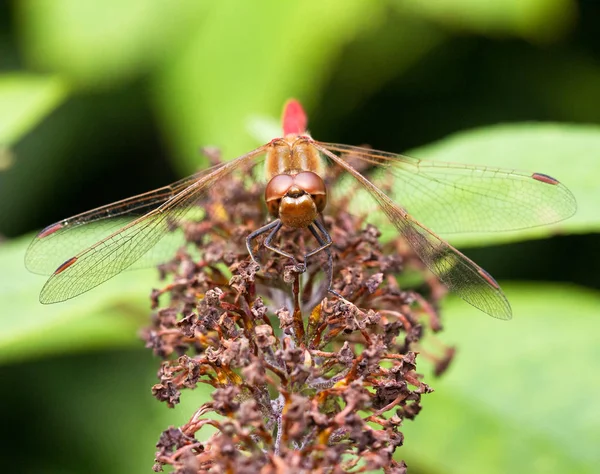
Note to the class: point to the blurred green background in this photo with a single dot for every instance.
(100, 100)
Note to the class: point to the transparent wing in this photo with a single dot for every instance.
(120, 249)
(61, 240)
(453, 197)
(460, 274)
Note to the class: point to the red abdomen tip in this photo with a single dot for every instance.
(294, 118)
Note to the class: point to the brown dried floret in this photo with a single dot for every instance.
(303, 381)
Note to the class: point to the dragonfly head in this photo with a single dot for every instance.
(296, 198)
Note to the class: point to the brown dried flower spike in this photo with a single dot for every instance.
(303, 382)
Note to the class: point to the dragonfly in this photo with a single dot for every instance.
(83, 251)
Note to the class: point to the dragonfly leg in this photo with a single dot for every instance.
(275, 224)
(325, 244)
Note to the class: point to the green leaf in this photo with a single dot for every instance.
(99, 44)
(233, 69)
(520, 396)
(566, 152)
(108, 316)
(537, 20)
(25, 100)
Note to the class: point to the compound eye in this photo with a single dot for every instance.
(320, 201)
(273, 207)
(275, 190)
(310, 182)
(278, 186)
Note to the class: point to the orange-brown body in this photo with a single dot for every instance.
(295, 192)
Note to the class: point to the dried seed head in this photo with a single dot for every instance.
(303, 381)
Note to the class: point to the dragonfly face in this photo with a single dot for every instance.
(409, 194)
(296, 199)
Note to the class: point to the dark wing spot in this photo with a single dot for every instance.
(65, 265)
(49, 230)
(544, 178)
(489, 278)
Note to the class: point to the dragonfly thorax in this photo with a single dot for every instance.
(292, 154)
(296, 197)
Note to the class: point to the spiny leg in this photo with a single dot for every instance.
(273, 227)
(268, 244)
(256, 233)
(324, 241)
(325, 244)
